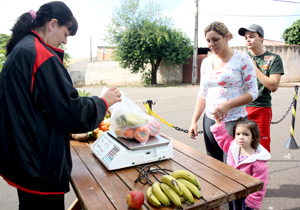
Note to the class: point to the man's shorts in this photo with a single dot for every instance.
(262, 116)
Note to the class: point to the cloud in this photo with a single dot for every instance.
(235, 14)
(91, 21)
(92, 16)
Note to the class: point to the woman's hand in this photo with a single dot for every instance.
(221, 111)
(112, 96)
(193, 131)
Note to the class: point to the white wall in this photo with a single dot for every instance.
(110, 73)
(290, 57)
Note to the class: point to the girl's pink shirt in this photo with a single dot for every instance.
(255, 165)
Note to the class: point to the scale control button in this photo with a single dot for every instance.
(110, 156)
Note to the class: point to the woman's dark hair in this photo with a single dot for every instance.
(218, 27)
(252, 126)
(48, 11)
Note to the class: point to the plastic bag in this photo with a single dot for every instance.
(129, 121)
(104, 90)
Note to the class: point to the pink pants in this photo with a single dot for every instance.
(262, 116)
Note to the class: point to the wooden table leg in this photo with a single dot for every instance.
(75, 205)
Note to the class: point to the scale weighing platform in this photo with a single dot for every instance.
(116, 153)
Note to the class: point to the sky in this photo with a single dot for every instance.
(94, 15)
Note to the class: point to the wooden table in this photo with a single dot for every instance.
(98, 188)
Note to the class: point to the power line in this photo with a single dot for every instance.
(174, 6)
(184, 16)
(201, 13)
(287, 1)
(237, 15)
(249, 15)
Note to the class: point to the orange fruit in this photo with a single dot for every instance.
(129, 133)
(101, 124)
(104, 128)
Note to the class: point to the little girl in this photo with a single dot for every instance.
(246, 154)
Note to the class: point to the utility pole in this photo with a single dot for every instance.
(195, 54)
(91, 55)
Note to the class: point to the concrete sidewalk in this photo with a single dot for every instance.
(176, 106)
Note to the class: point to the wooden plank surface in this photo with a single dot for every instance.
(212, 196)
(113, 187)
(251, 183)
(94, 185)
(233, 189)
(85, 187)
(130, 174)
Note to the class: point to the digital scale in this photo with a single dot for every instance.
(116, 153)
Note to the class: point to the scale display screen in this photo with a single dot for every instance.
(103, 146)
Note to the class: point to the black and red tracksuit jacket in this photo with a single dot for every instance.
(39, 108)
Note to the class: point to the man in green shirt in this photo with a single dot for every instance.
(269, 68)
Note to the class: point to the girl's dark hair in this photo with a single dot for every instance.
(252, 126)
(48, 11)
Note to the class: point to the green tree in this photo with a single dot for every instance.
(144, 36)
(150, 43)
(3, 41)
(291, 35)
(129, 14)
(67, 56)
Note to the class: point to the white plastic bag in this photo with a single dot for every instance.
(129, 121)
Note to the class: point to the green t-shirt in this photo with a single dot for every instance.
(268, 63)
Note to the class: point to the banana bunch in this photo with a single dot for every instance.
(184, 174)
(176, 188)
(189, 180)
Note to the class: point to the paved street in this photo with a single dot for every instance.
(176, 106)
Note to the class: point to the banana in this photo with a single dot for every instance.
(194, 190)
(159, 194)
(186, 193)
(182, 199)
(171, 194)
(168, 198)
(130, 119)
(134, 120)
(171, 181)
(198, 185)
(186, 175)
(151, 198)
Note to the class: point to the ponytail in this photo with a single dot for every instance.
(21, 28)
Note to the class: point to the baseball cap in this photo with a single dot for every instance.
(252, 28)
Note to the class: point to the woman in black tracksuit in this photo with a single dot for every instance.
(39, 108)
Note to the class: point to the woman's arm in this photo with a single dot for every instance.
(199, 107)
(251, 90)
(200, 103)
(223, 108)
(222, 137)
